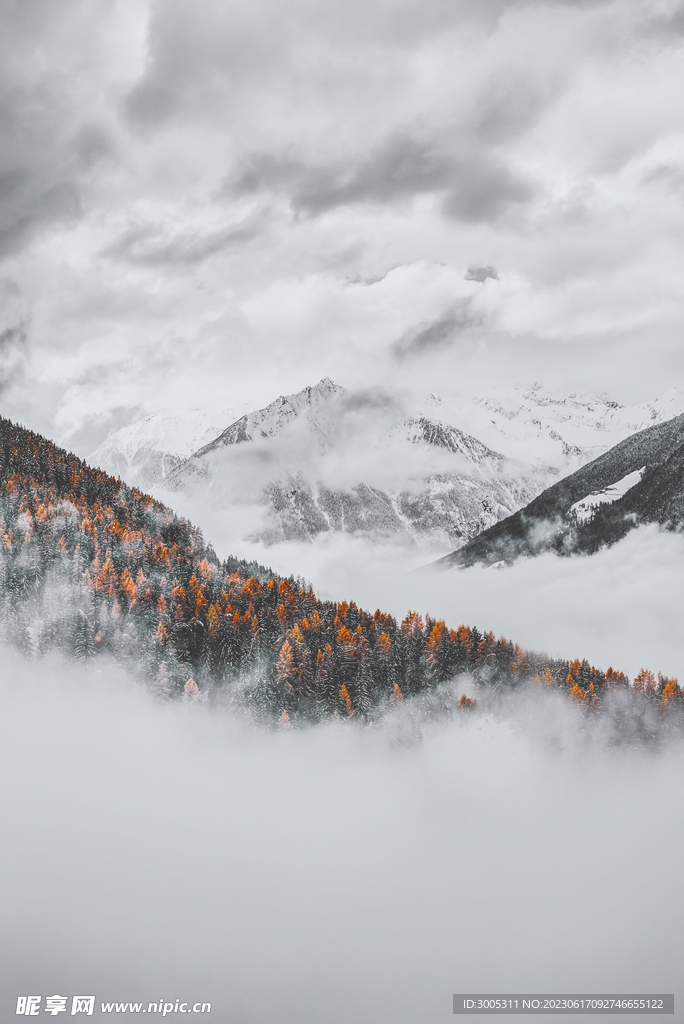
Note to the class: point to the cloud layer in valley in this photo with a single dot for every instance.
(196, 203)
(162, 852)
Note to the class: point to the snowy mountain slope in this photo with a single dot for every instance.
(566, 430)
(310, 417)
(645, 472)
(447, 509)
(532, 425)
(341, 465)
(444, 435)
(144, 453)
(585, 509)
(316, 403)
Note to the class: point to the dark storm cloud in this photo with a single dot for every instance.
(475, 186)
(213, 49)
(508, 107)
(581, 4)
(425, 116)
(226, 57)
(149, 104)
(191, 51)
(399, 168)
(44, 144)
(91, 145)
(35, 183)
(41, 163)
(440, 333)
(33, 16)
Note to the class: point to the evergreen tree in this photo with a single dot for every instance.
(83, 637)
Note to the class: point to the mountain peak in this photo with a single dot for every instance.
(672, 399)
(273, 418)
(327, 384)
(315, 393)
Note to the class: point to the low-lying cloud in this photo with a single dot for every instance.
(169, 852)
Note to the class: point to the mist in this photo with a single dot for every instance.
(171, 852)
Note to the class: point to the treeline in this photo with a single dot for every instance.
(90, 565)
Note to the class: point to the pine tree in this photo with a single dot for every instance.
(346, 704)
(83, 637)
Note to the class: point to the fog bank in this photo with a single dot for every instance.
(332, 875)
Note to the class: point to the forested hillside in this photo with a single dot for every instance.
(549, 522)
(91, 566)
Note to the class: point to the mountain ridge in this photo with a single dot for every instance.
(434, 507)
(656, 497)
(269, 421)
(471, 487)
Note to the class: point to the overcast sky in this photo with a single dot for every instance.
(219, 200)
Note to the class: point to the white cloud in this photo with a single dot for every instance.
(186, 197)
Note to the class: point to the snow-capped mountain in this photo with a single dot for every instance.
(327, 459)
(144, 453)
(356, 464)
(551, 427)
(314, 404)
